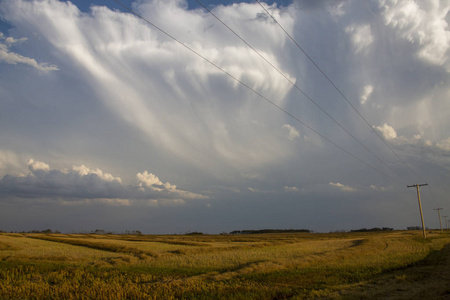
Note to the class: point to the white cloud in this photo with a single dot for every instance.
(368, 89)
(10, 163)
(388, 132)
(253, 190)
(85, 171)
(13, 58)
(132, 66)
(80, 183)
(292, 132)
(361, 36)
(37, 166)
(290, 188)
(424, 24)
(416, 141)
(11, 41)
(444, 144)
(376, 188)
(344, 188)
(149, 180)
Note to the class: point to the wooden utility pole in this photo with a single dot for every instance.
(439, 214)
(446, 224)
(420, 206)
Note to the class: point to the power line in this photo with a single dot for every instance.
(293, 84)
(420, 205)
(337, 89)
(251, 89)
(439, 216)
(433, 197)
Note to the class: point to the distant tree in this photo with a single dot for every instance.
(194, 233)
(372, 229)
(414, 228)
(270, 231)
(47, 231)
(133, 232)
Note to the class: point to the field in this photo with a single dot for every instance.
(382, 265)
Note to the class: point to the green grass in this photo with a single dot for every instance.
(267, 266)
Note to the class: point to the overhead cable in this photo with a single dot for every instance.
(251, 89)
(337, 89)
(294, 85)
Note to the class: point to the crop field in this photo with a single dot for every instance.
(383, 265)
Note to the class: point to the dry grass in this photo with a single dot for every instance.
(268, 266)
(23, 249)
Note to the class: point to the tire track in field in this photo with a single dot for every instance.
(266, 266)
(142, 255)
(6, 247)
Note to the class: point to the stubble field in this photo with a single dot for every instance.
(383, 265)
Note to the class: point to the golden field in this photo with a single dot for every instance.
(382, 265)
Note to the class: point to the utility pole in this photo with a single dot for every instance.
(446, 224)
(439, 214)
(420, 206)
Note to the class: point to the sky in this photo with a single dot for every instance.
(224, 115)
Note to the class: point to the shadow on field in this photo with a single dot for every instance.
(427, 279)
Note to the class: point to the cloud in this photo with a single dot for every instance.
(416, 141)
(423, 25)
(37, 166)
(290, 188)
(253, 190)
(11, 41)
(361, 36)
(376, 188)
(85, 171)
(444, 145)
(388, 132)
(151, 181)
(10, 163)
(344, 188)
(132, 101)
(368, 89)
(81, 184)
(125, 60)
(13, 58)
(292, 132)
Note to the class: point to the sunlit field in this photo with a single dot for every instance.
(253, 266)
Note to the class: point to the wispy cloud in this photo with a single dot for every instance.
(361, 36)
(292, 132)
(367, 91)
(342, 187)
(13, 58)
(290, 189)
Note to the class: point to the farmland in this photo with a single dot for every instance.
(397, 264)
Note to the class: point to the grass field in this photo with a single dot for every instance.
(397, 265)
